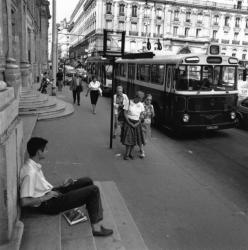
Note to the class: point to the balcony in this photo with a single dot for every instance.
(224, 41)
(145, 34)
(214, 40)
(216, 24)
(244, 43)
(226, 28)
(133, 33)
(235, 42)
(176, 19)
(157, 35)
(159, 18)
(109, 16)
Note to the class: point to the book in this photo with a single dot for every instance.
(75, 216)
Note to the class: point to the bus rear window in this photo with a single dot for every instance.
(143, 72)
(157, 74)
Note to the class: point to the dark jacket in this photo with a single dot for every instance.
(74, 84)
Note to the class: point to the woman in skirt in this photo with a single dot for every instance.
(132, 134)
(94, 88)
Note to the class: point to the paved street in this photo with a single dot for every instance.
(188, 193)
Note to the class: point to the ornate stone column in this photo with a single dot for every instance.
(24, 64)
(12, 72)
(2, 57)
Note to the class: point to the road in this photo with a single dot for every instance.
(188, 193)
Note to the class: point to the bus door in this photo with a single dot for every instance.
(169, 97)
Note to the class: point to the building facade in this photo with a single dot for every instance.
(63, 40)
(23, 54)
(179, 26)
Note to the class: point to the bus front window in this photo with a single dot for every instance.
(224, 78)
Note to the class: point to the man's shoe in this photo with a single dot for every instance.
(125, 157)
(131, 156)
(103, 232)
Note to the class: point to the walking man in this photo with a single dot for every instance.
(77, 88)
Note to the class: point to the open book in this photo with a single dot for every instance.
(74, 216)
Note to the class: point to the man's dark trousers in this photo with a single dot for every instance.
(81, 192)
(76, 95)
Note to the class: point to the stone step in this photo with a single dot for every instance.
(41, 232)
(77, 236)
(29, 96)
(114, 241)
(59, 108)
(129, 233)
(69, 109)
(40, 99)
(51, 103)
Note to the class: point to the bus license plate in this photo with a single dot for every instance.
(212, 127)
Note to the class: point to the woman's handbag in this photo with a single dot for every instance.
(121, 116)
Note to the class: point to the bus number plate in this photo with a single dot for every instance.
(212, 127)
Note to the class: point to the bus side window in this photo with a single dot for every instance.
(168, 78)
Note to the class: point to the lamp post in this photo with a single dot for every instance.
(54, 49)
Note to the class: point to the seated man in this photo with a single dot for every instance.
(38, 193)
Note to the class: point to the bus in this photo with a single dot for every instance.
(190, 92)
(102, 68)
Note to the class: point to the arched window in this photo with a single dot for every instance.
(121, 9)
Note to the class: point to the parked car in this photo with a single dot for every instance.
(242, 113)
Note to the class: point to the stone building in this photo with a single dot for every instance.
(23, 54)
(180, 26)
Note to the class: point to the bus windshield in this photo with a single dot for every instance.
(205, 78)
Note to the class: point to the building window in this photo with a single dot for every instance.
(243, 56)
(175, 29)
(108, 24)
(236, 36)
(133, 46)
(108, 8)
(239, 5)
(133, 26)
(186, 32)
(158, 29)
(134, 11)
(146, 28)
(188, 16)
(159, 13)
(176, 13)
(214, 34)
(237, 22)
(246, 23)
(216, 19)
(227, 19)
(198, 32)
(121, 25)
(122, 9)
(147, 12)
(234, 54)
(199, 17)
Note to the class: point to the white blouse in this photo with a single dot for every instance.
(94, 85)
(134, 110)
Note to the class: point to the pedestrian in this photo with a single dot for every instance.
(120, 99)
(148, 115)
(44, 83)
(95, 90)
(60, 77)
(37, 194)
(77, 88)
(131, 134)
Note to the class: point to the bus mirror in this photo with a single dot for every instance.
(244, 74)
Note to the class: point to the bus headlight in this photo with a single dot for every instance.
(185, 118)
(233, 115)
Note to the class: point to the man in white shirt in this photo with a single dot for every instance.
(36, 192)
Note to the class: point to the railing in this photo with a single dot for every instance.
(176, 19)
(211, 4)
(157, 35)
(224, 41)
(214, 40)
(235, 42)
(133, 33)
(145, 34)
(244, 43)
(216, 24)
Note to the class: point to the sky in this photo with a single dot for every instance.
(64, 9)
